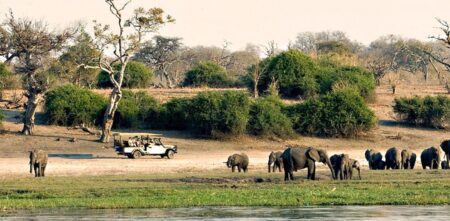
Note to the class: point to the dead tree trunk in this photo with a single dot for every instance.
(108, 117)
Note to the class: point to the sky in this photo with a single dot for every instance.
(212, 22)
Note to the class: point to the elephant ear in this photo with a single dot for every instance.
(313, 154)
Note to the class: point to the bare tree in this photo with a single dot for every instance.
(445, 40)
(124, 44)
(29, 44)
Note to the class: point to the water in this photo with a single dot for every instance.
(409, 213)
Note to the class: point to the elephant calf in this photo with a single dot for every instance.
(408, 159)
(38, 161)
(354, 164)
(238, 160)
(275, 161)
(430, 157)
(445, 146)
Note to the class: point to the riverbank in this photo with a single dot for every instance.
(417, 187)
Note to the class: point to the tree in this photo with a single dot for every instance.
(161, 54)
(74, 61)
(444, 40)
(29, 43)
(136, 75)
(206, 74)
(124, 44)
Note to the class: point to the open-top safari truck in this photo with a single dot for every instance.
(137, 145)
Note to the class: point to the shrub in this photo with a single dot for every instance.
(136, 110)
(294, 73)
(1, 121)
(174, 115)
(341, 77)
(215, 114)
(137, 75)
(267, 119)
(341, 113)
(426, 111)
(71, 105)
(206, 74)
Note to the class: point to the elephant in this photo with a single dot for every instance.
(445, 146)
(38, 162)
(408, 159)
(382, 165)
(444, 165)
(275, 161)
(341, 166)
(238, 160)
(393, 158)
(354, 164)
(431, 157)
(375, 159)
(296, 158)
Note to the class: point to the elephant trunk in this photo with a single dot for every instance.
(328, 162)
(359, 173)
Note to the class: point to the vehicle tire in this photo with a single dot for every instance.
(170, 154)
(137, 154)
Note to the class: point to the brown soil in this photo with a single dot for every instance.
(198, 155)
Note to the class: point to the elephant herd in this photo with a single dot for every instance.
(295, 158)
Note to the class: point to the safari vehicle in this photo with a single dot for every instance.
(134, 146)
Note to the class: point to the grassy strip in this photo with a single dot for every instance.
(149, 191)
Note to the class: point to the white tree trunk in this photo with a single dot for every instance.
(30, 112)
(108, 117)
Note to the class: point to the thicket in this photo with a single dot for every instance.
(207, 74)
(71, 105)
(2, 117)
(136, 110)
(295, 74)
(268, 120)
(137, 75)
(424, 111)
(341, 113)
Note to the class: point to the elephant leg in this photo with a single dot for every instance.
(279, 168)
(424, 166)
(239, 169)
(232, 169)
(274, 167)
(286, 175)
(43, 170)
(341, 175)
(36, 171)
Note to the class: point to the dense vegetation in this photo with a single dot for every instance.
(1, 120)
(206, 74)
(425, 111)
(267, 118)
(295, 74)
(136, 110)
(339, 114)
(72, 105)
(137, 75)
(396, 187)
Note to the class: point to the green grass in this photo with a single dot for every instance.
(149, 191)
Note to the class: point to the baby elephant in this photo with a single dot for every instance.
(38, 161)
(238, 160)
(354, 164)
(275, 161)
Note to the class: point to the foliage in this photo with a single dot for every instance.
(293, 72)
(137, 75)
(332, 76)
(342, 113)
(136, 110)
(267, 119)
(2, 117)
(206, 74)
(174, 114)
(70, 105)
(73, 62)
(215, 114)
(426, 111)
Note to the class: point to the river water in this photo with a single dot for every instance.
(409, 213)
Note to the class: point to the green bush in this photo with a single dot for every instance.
(174, 115)
(2, 117)
(267, 119)
(206, 74)
(341, 113)
(70, 105)
(426, 111)
(294, 73)
(215, 114)
(137, 75)
(136, 110)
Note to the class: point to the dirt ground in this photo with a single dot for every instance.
(196, 155)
